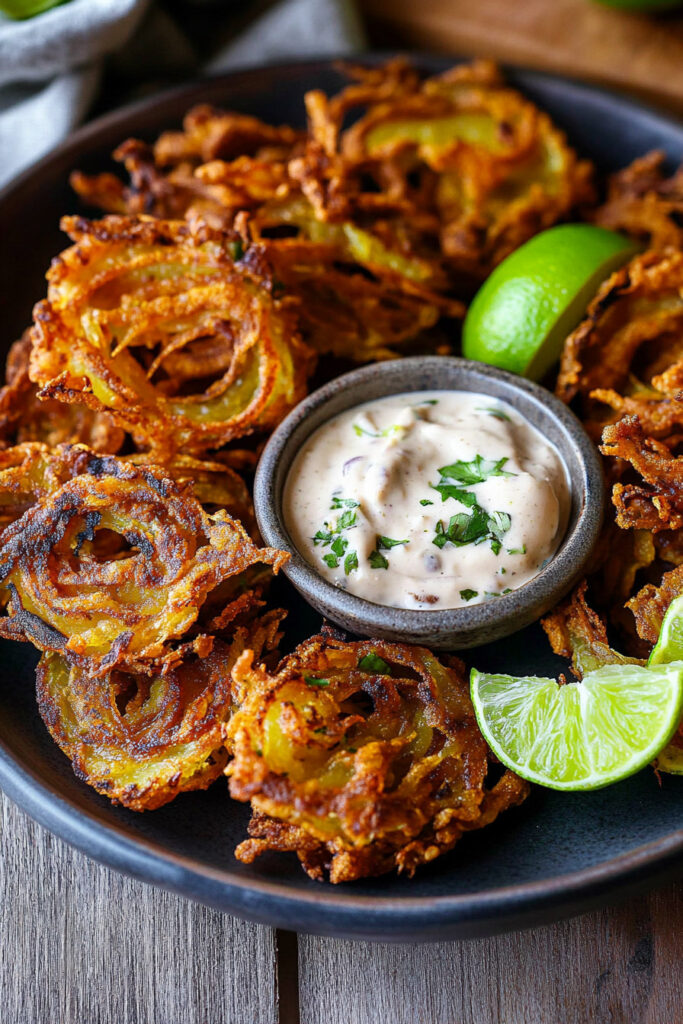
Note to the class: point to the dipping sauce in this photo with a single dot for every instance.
(431, 499)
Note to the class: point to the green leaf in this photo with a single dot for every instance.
(467, 595)
(322, 537)
(499, 524)
(344, 503)
(453, 491)
(427, 401)
(495, 546)
(316, 681)
(339, 545)
(374, 663)
(387, 543)
(331, 560)
(498, 413)
(476, 471)
(347, 520)
(377, 561)
(423, 501)
(350, 562)
(517, 551)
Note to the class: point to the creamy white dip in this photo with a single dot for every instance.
(432, 499)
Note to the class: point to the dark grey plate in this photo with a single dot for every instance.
(557, 855)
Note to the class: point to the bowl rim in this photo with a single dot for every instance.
(587, 492)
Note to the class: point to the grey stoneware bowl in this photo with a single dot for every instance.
(449, 628)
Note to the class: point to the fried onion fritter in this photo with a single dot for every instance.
(482, 161)
(121, 608)
(24, 417)
(156, 324)
(645, 204)
(363, 757)
(632, 334)
(139, 739)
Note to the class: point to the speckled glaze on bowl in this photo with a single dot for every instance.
(449, 628)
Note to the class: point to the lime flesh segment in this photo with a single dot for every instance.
(579, 735)
(669, 648)
(521, 315)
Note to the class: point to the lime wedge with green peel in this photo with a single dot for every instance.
(579, 735)
(27, 8)
(669, 648)
(525, 309)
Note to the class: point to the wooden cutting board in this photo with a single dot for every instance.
(641, 54)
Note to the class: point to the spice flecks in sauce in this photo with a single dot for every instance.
(427, 500)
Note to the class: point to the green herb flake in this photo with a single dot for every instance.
(347, 520)
(322, 537)
(386, 543)
(467, 595)
(344, 503)
(498, 413)
(350, 562)
(339, 546)
(377, 561)
(316, 681)
(374, 663)
(332, 561)
(447, 490)
(476, 471)
(517, 551)
(424, 501)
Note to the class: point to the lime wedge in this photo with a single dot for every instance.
(669, 648)
(521, 315)
(579, 735)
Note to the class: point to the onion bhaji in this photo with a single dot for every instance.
(25, 417)
(140, 739)
(121, 609)
(158, 325)
(644, 204)
(361, 757)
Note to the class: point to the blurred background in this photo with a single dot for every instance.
(61, 63)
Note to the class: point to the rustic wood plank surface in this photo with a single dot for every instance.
(638, 53)
(617, 966)
(84, 945)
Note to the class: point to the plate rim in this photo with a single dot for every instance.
(335, 911)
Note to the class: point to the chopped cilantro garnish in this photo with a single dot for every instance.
(374, 663)
(467, 595)
(424, 501)
(395, 428)
(322, 537)
(377, 561)
(517, 551)
(339, 545)
(316, 681)
(508, 590)
(476, 471)
(427, 401)
(473, 527)
(498, 413)
(495, 546)
(350, 562)
(499, 524)
(447, 490)
(347, 520)
(332, 561)
(344, 503)
(387, 543)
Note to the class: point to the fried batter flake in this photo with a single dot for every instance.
(659, 505)
(154, 322)
(106, 606)
(363, 757)
(139, 739)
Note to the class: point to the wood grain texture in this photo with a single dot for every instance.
(617, 966)
(639, 53)
(84, 945)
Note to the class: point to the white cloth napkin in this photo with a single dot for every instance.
(50, 65)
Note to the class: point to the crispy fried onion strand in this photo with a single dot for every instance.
(154, 322)
(25, 417)
(645, 204)
(121, 606)
(139, 739)
(362, 757)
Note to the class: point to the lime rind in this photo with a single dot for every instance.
(580, 736)
(669, 648)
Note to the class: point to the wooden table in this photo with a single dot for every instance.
(83, 945)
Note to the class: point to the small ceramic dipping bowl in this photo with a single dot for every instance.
(448, 628)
